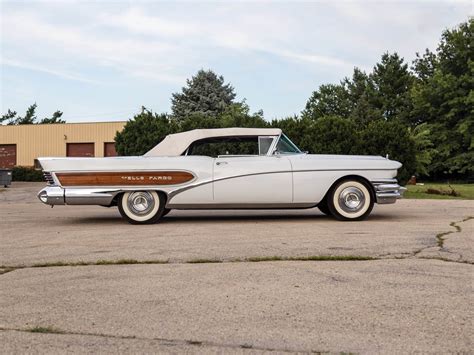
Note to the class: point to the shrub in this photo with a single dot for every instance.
(390, 137)
(330, 135)
(142, 133)
(26, 173)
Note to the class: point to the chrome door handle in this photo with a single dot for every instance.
(221, 162)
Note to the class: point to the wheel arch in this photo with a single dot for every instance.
(352, 177)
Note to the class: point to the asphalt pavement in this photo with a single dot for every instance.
(78, 279)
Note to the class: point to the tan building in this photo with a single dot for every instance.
(21, 145)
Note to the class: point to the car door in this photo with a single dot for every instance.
(252, 180)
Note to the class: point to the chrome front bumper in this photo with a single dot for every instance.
(56, 195)
(387, 191)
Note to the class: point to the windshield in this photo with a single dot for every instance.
(286, 146)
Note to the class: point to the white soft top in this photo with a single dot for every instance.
(176, 144)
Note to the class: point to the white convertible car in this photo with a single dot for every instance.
(228, 168)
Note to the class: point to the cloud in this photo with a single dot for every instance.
(53, 48)
(135, 43)
(269, 34)
(58, 73)
(264, 46)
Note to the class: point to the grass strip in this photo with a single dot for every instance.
(204, 261)
(46, 330)
(311, 258)
(100, 262)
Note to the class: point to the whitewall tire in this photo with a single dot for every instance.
(350, 200)
(141, 207)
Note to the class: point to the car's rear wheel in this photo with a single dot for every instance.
(141, 207)
(350, 200)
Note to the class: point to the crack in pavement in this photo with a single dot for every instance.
(162, 341)
(440, 239)
(441, 236)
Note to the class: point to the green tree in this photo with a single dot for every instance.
(238, 115)
(421, 136)
(29, 118)
(356, 86)
(443, 97)
(424, 65)
(328, 100)
(56, 118)
(12, 118)
(205, 94)
(142, 133)
(360, 91)
(389, 88)
(9, 116)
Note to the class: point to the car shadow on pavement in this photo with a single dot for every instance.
(242, 218)
(228, 217)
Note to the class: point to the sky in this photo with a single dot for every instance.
(104, 60)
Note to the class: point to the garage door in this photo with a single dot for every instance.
(7, 155)
(80, 149)
(109, 150)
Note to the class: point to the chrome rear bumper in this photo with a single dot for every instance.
(387, 191)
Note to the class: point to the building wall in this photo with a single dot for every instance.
(49, 140)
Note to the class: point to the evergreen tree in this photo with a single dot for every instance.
(29, 118)
(205, 94)
(9, 116)
(12, 118)
(389, 88)
(56, 118)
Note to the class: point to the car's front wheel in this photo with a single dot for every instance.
(141, 207)
(350, 200)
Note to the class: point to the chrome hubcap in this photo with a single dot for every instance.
(141, 202)
(351, 199)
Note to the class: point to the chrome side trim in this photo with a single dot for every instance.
(387, 191)
(173, 193)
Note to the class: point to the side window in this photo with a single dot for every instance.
(214, 147)
(264, 144)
